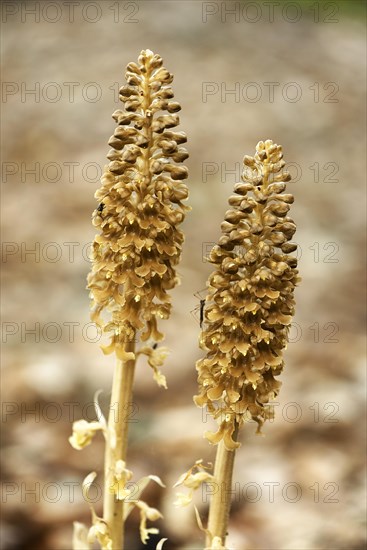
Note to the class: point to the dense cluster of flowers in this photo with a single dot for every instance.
(140, 208)
(250, 300)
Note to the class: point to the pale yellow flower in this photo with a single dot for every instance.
(147, 513)
(83, 433)
(120, 477)
(192, 481)
(99, 531)
(156, 357)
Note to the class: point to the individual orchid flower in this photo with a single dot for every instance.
(192, 481)
(83, 433)
(121, 476)
(147, 513)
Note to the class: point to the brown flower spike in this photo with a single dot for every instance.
(250, 302)
(135, 255)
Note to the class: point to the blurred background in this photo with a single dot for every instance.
(293, 72)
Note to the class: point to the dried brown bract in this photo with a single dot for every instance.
(250, 300)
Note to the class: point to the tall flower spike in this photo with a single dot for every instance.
(140, 208)
(250, 302)
(134, 258)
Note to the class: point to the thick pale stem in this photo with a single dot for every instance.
(220, 503)
(116, 445)
(123, 383)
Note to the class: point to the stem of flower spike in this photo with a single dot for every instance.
(220, 503)
(116, 445)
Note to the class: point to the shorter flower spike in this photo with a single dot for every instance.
(250, 300)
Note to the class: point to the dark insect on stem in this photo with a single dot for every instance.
(155, 345)
(200, 307)
(100, 207)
